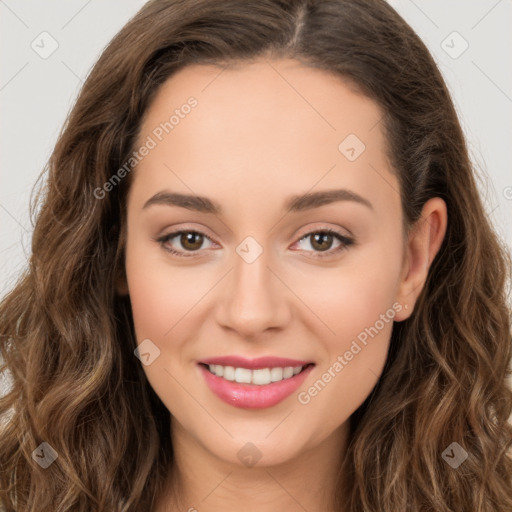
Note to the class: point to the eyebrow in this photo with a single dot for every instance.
(297, 203)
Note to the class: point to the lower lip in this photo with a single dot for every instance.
(252, 396)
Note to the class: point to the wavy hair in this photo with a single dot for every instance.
(67, 338)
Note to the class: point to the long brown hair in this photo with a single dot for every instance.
(67, 338)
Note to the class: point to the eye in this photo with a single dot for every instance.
(190, 240)
(322, 241)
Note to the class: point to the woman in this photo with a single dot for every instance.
(261, 277)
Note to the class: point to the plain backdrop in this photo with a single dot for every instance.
(47, 49)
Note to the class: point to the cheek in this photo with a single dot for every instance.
(353, 296)
(357, 303)
(161, 295)
(161, 299)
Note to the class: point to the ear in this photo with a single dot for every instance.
(424, 240)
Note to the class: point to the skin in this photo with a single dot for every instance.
(260, 133)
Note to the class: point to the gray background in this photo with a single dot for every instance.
(38, 90)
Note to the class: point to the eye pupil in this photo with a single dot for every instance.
(190, 237)
(321, 237)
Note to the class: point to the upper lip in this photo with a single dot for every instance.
(255, 364)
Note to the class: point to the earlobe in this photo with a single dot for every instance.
(425, 239)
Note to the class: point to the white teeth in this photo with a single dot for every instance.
(288, 372)
(243, 375)
(229, 372)
(276, 374)
(217, 369)
(260, 377)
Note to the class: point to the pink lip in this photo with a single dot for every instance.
(252, 396)
(254, 364)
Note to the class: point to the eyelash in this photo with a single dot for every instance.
(345, 242)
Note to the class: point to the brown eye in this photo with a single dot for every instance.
(190, 240)
(322, 241)
(183, 243)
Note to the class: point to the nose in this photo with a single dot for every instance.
(254, 299)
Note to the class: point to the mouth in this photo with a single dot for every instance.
(254, 384)
(256, 377)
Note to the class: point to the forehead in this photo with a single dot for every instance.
(269, 126)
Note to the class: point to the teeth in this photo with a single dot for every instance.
(260, 377)
(288, 372)
(276, 374)
(229, 372)
(243, 375)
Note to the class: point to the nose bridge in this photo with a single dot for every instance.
(254, 300)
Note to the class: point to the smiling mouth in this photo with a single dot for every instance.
(257, 377)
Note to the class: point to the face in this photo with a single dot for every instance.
(295, 255)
